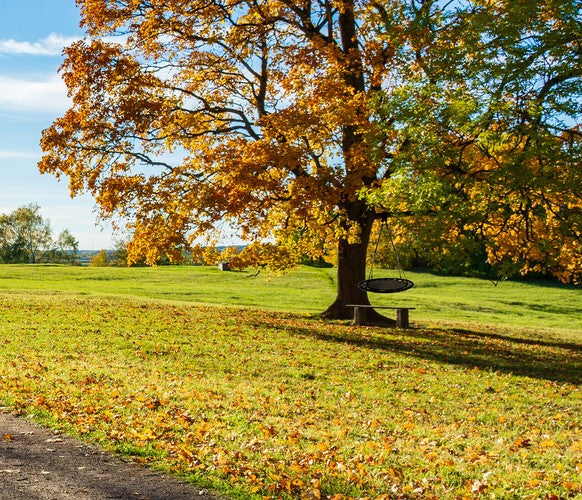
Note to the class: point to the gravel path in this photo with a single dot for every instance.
(37, 463)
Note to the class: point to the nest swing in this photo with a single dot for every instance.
(386, 285)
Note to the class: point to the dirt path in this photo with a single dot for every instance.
(37, 463)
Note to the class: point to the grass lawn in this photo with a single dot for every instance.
(481, 398)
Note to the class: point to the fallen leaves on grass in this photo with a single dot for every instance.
(282, 406)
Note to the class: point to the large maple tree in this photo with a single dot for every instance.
(284, 118)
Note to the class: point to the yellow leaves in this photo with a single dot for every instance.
(533, 483)
(275, 257)
(268, 430)
(202, 431)
(572, 486)
(146, 435)
(547, 443)
(476, 455)
(283, 483)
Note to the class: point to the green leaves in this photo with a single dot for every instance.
(483, 133)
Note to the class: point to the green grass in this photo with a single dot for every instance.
(302, 291)
(440, 301)
(481, 398)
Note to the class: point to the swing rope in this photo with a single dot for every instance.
(401, 272)
(371, 272)
(386, 285)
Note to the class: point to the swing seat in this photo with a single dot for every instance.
(385, 285)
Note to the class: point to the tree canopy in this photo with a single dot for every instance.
(489, 141)
(300, 121)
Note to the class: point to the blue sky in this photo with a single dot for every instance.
(32, 95)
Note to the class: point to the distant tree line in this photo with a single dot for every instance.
(392, 249)
(117, 257)
(26, 237)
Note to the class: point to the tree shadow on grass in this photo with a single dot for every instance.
(553, 361)
(576, 347)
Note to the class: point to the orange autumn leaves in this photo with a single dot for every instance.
(256, 139)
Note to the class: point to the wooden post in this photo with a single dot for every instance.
(402, 318)
(359, 316)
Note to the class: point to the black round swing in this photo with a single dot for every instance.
(386, 285)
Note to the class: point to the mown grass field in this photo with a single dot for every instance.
(234, 383)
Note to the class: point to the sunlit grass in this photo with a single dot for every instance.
(278, 403)
(440, 301)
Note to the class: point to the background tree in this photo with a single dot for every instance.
(25, 237)
(279, 114)
(119, 257)
(25, 234)
(65, 248)
(12, 248)
(100, 259)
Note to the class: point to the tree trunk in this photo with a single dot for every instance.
(351, 270)
(351, 263)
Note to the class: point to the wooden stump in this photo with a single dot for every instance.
(360, 316)
(402, 318)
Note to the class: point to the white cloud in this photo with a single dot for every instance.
(52, 45)
(42, 96)
(8, 154)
